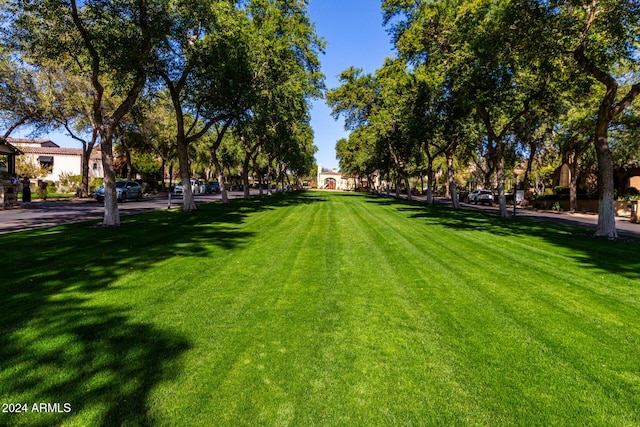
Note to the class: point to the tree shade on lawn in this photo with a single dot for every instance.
(321, 309)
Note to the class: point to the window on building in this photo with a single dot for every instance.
(47, 163)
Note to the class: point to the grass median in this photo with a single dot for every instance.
(320, 309)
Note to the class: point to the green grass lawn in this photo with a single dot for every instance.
(320, 309)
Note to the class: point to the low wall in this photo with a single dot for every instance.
(620, 207)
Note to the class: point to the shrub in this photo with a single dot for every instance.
(42, 190)
(632, 193)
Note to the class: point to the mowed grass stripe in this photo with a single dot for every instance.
(284, 324)
(325, 309)
(397, 336)
(450, 297)
(480, 306)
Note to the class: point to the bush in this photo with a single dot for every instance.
(631, 193)
(561, 190)
(69, 183)
(42, 190)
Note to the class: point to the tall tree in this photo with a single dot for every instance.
(200, 62)
(491, 50)
(284, 49)
(604, 36)
(102, 41)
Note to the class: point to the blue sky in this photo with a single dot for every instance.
(355, 36)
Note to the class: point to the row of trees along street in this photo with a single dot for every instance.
(497, 82)
(165, 79)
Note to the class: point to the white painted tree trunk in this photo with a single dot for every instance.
(188, 202)
(111, 214)
(504, 212)
(606, 212)
(224, 196)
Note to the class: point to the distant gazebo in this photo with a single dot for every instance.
(333, 180)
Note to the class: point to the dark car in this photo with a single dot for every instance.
(124, 190)
(212, 187)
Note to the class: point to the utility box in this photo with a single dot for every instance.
(634, 211)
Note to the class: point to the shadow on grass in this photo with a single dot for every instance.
(94, 359)
(57, 346)
(620, 257)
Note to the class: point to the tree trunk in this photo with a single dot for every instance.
(188, 203)
(430, 182)
(502, 198)
(606, 213)
(260, 185)
(111, 213)
(574, 166)
(86, 155)
(129, 164)
(245, 174)
(406, 180)
(269, 191)
(256, 172)
(500, 176)
(453, 190)
(220, 174)
(533, 147)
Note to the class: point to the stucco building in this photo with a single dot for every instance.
(333, 180)
(57, 160)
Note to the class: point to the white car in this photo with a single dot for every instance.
(197, 187)
(124, 190)
(480, 196)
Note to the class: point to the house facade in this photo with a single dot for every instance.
(57, 160)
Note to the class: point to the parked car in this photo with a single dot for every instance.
(124, 190)
(212, 187)
(480, 196)
(472, 195)
(197, 187)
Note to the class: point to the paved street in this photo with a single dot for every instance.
(49, 213)
(623, 224)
